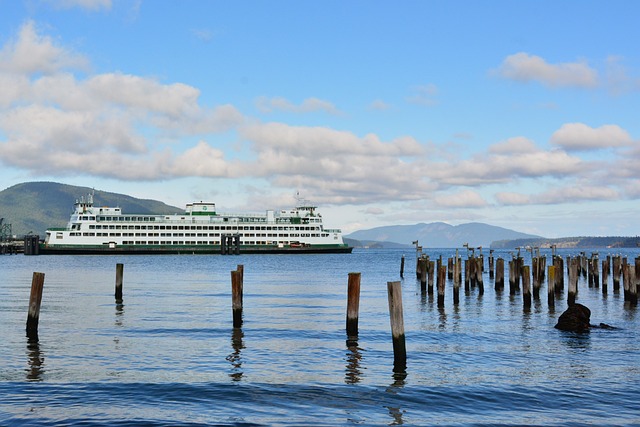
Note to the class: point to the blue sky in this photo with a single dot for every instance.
(522, 114)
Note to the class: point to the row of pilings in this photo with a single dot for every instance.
(432, 273)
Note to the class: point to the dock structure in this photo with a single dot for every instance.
(8, 245)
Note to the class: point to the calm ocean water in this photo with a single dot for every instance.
(169, 355)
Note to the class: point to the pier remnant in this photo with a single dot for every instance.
(394, 291)
(119, 276)
(35, 300)
(353, 307)
(236, 298)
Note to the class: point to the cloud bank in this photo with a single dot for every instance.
(58, 119)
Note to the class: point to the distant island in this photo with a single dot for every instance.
(571, 242)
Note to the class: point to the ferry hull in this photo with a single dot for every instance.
(188, 250)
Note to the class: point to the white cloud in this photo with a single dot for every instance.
(83, 4)
(32, 53)
(523, 67)
(424, 95)
(575, 193)
(507, 199)
(379, 105)
(309, 105)
(54, 123)
(500, 167)
(578, 136)
(515, 146)
(462, 199)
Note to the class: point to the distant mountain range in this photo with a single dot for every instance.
(33, 207)
(436, 235)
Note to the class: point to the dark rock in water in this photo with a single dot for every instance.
(575, 318)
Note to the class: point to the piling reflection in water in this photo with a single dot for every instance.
(353, 372)
(396, 413)
(35, 359)
(235, 358)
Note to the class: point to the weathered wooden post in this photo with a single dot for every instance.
(450, 268)
(353, 308)
(35, 300)
(551, 279)
(491, 269)
(424, 271)
(442, 275)
(499, 284)
(616, 272)
(466, 275)
(236, 298)
(512, 275)
(479, 279)
(559, 264)
(456, 282)
(526, 287)
(119, 276)
(605, 274)
(472, 271)
(633, 286)
(396, 317)
(240, 268)
(573, 281)
(402, 267)
(432, 270)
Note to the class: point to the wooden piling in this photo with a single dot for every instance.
(551, 279)
(450, 268)
(442, 275)
(633, 286)
(394, 291)
(605, 274)
(574, 271)
(616, 272)
(35, 300)
(236, 298)
(402, 267)
(479, 269)
(456, 282)
(512, 274)
(526, 287)
(424, 271)
(558, 262)
(467, 279)
(353, 307)
(491, 265)
(432, 269)
(119, 277)
(499, 282)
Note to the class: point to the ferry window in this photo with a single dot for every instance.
(92, 227)
(146, 218)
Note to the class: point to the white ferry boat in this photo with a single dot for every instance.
(200, 229)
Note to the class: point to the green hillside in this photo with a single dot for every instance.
(33, 207)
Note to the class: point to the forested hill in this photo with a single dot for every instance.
(33, 207)
(571, 242)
